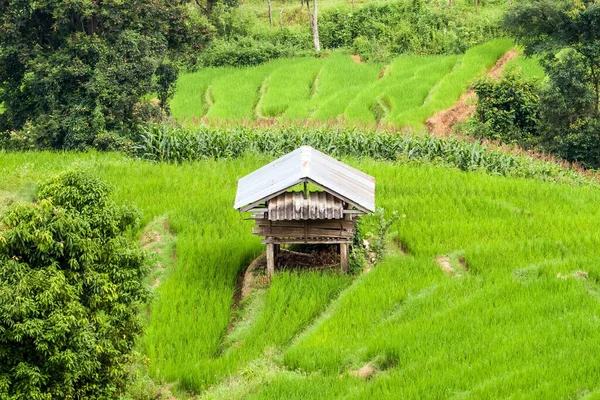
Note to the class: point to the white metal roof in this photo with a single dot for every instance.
(306, 164)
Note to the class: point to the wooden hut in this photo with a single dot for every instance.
(323, 216)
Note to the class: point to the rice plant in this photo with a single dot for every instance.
(410, 89)
(516, 313)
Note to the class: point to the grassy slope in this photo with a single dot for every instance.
(510, 325)
(406, 92)
(528, 66)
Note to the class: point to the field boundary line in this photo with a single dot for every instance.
(314, 86)
(262, 90)
(434, 88)
(209, 101)
(442, 122)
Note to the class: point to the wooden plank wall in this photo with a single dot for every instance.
(338, 228)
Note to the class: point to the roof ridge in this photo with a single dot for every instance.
(305, 158)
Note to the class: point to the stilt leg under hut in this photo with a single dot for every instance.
(270, 259)
(344, 257)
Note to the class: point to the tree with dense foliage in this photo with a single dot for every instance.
(565, 34)
(508, 109)
(73, 70)
(71, 284)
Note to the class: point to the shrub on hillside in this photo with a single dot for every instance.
(508, 110)
(70, 291)
(70, 70)
(564, 35)
(242, 51)
(405, 27)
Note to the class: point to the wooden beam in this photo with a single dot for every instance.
(345, 224)
(301, 232)
(308, 241)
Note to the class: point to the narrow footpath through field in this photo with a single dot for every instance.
(442, 122)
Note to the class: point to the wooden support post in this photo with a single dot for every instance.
(344, 256)
(276, 253)
(270, 259)
(344, 249)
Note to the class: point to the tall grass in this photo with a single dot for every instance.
(409, 90)
(194, 98)
(235, 93)
(448, 89)
(529, 67)
(340, 81)
(521, 319)
(406, 85)
(281, 99)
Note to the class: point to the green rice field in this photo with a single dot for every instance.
(518, 316)
(336, 88)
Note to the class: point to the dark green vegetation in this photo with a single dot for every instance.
(560, 115)
(508, 110)
(518, 312)
(70, 292)
(376, 31)
(73, 74)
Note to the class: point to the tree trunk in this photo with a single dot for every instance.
(449, 3)
(595, 82)
(476, 5)
(310, 19)
(270, 14)
(315, 27)
(281, 18)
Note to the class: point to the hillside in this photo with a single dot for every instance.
(514, 311)
(337, 88)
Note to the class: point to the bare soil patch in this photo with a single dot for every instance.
(453, 265)
(384, 71)
(356, 58)
(366, 372)
(441, 124)
(576, 274)
(445, 265)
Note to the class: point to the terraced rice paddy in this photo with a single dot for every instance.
(514, 312)
(404, 93)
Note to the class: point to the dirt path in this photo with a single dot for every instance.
(356, 58)
(442, 123)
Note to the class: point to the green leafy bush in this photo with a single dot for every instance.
(406, 27)
(242, 52)
(247, 50)
(566, 37)
(70, 291)
(508, 110)
(74, 69)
